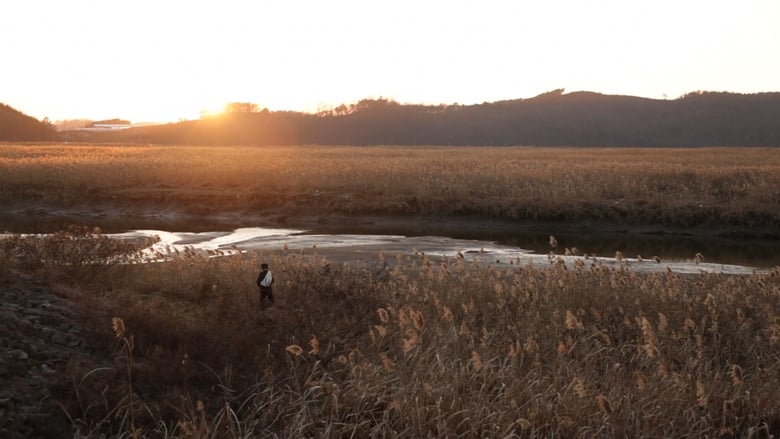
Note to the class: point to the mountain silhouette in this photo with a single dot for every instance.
(554, 118)
(16, 126)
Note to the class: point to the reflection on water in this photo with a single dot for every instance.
(751, 252)
(763, 253)
(354, 247)
(535, 238)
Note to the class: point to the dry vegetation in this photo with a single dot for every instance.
(676, 187)
(411, 346)
(415, 347)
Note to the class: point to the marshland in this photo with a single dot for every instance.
(403, 343)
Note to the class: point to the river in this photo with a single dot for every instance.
(367, 247)
(366, 237)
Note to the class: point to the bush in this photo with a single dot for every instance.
(75, 253)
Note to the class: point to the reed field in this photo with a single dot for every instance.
(410, 346)
(737, 187)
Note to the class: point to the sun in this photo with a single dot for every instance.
(211, 111)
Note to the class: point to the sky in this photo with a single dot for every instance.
(171, 60)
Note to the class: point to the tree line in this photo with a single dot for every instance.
(550, 119)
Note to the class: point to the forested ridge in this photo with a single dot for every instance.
(550, 119)
(17, 126)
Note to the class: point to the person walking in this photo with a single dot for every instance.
(265, 281)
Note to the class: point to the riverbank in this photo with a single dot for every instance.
(47, 348)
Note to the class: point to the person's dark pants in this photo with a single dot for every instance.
(266, 293)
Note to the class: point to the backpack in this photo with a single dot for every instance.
(267, 280)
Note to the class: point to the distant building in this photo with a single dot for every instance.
(107, 127)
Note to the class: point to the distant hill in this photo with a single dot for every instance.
(18, 127)
(550, 119)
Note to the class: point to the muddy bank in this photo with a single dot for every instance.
(43, 348)
(24, 217)
(20, 219)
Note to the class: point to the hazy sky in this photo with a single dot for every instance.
(165, 60)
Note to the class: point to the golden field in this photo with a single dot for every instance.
(675, 187)
(408, 346)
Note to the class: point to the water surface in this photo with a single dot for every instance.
(527, 238)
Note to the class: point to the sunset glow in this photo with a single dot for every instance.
(166, 61)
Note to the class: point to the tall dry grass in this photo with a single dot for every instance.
(723, 186)
(417, 347)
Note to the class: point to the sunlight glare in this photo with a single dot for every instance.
(211, 111)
